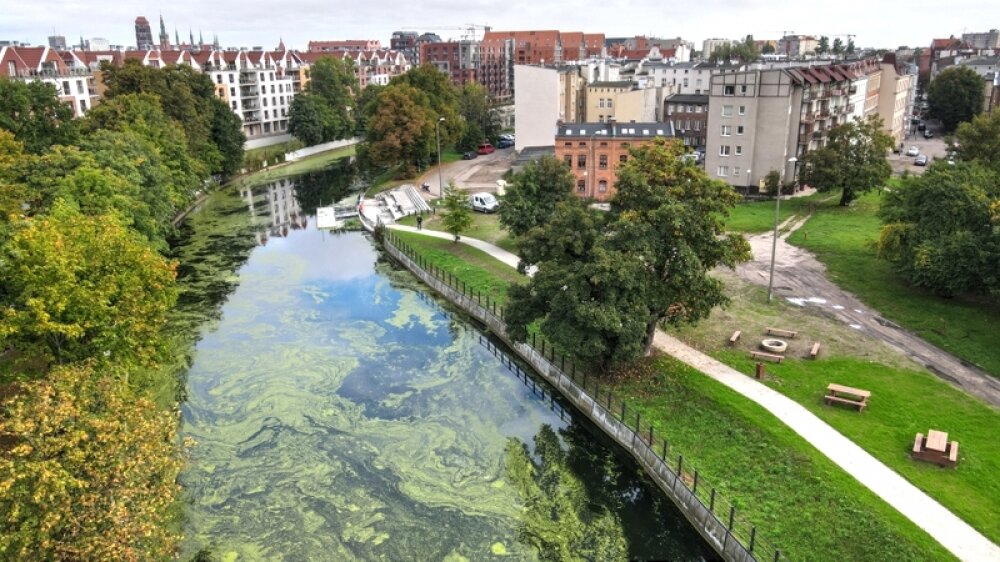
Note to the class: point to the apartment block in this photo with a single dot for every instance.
(795, 46)
(458, 59)
(500, 51)
(345, 46)
(897, 95)
(688, 114)
(74, 83)
(594, 152)
(621, 101)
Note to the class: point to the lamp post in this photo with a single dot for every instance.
(437, 134)
(774, 241)
(748, 180)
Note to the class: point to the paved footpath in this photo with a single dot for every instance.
(954, 534)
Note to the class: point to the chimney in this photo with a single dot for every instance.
(611, 125)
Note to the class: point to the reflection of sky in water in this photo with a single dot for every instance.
(340, 415)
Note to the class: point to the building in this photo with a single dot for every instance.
(98, 44)
(621, 101)
(684, 78)
(710, 45)
(74, 82)
(348, 46)
(896, 98)
(403, 41)
(551, 94)
(795, 46)
(57, 42)
(688, 113)
(500, 51)
(985, 40)
(594, 151)
(458, 59)
(143, 34)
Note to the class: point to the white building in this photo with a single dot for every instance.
(536, 106)
(710, 45)
(73, 81)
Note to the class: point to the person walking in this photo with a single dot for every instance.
(420, 222)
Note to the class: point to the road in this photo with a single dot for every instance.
(932, 148)
(801, 279)
(479, 174)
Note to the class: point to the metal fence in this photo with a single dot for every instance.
(715, 518)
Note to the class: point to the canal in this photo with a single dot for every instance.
(337, 410)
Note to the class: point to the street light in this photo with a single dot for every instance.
(774, 241)
(748, 180)
(437, 134)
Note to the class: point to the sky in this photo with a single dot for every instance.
(246, 23)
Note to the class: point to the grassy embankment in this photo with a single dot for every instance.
(307, 164)
(484, 227)
(803, 503)
(387, 178)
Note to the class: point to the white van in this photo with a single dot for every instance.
(484, 202)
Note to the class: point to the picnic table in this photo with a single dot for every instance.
(935, 448)
(840, 394)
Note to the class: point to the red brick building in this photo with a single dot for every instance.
(458, 59)
(594, 151)
(346, 46)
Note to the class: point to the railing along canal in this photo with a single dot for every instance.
(716, 519)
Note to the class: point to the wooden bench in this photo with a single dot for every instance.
(840, 394)
(735, 337)
(814, 351)
(781, 333)
(768, 356)
(935, 448)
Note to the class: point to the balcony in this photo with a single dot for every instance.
(807, 117)
(253, 117)
(817, 134)
(837, 92)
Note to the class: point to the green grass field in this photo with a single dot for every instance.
(485, 227)
(843, 239)
(307, 164)
(758, 216)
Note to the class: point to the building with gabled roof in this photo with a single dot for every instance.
(72, 80)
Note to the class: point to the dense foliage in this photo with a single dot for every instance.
(979, 140)
(955, 96)
(743, 51)
(323, 112)
(853, 160)
(605, 281)
(458, 216)
(942, 230)
(533, 194)
(88, 462)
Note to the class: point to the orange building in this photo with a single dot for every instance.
(594, 151)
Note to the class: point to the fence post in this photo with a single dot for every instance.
(623, 410)
(695, 489)
(680, 465)
(532, 335)
(637, 425)
(753, 538)
(651, 435)
(777, 555)
(543, 349)
(711, 503)
(664, 455)
(732, 514)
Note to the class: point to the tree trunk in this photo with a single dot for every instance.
(846, 197)
(650, 332)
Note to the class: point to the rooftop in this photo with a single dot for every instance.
(615, 130)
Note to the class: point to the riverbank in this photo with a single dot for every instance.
(775, 475)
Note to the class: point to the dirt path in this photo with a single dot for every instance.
(801, 279)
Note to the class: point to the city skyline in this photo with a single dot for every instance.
(887, 25)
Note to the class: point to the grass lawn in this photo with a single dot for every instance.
(274, 149)
(905, 398)
(843, 238)
(485, 227)
(475, 268)
(307, 164)
(758, 216)
(799, 500)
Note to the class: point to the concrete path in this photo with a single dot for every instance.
(956, 535)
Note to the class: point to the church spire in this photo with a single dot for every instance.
(281, 44)
(177, 37)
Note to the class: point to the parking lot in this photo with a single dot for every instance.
(933, 148)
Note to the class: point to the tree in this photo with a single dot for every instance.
(458, 218)
(333, 81)
(838, 46)
(942, 231)
(33, 113)
(533, 194)
(979, 140)
(743, 51)
(853, 160)
(227, 134)
(606, 281)
(955, 96)
(308, 117)
(772, 182)
(365, 106)
(400, 130)
(824, 45)
(442, 96)
(88, 471)
(13, 194)
(79, 287)
(767, 49)
(850, 46)
(474, 107)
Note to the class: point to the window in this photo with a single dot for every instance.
(234, 104)
(697, 109)
(66, 90)
(727, 111)
(685, 81)
(568, 159)
(600, 119)
(262, 76)
(600, 102)
(231, 79)
(687, 124)
(743, 89)
(218, 79)
(582, 144)
(697, 125)
(739, 150)
(670, 109)
(739, 129)
(282, 99)
(265, 102)
(581, 161)
(281, 88)
(724, 150)
(743, 110)
(272, 88)
(604, 144)
(722, 172)
(581, 186)
(272, 76)
(274, 101)
(602, 161)
(690, 109)
(609, 103)
(623, 159)
(602, 186)
(232, 92)
(266, 115)
(83, 106)
(729, 90)
(568, 144)
(727, 130)
(736, 171)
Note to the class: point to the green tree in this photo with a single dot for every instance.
(308, 117)
(13, 194)
(838, 46)
(605, 281)
(78, 287)
(333, 80)
(955, 96)
(979, 140)
(767, 49)
(474, 107)
(772, 182)
(33, 113)
(227, 134)
(942, 231)
(87, 471)
(366, 107)
(743, 51)
(458, 217)
(442, 97)
(400, 130)
(853, 160)
(823, 46)
(849, 49)
(534, 193)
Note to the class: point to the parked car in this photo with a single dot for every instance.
(928, 134)
(505, 143)
(507, 136)
(914, 151)
(921, 160)
(486, 148)
(921, 127)
(484, 202)
(469, 155)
